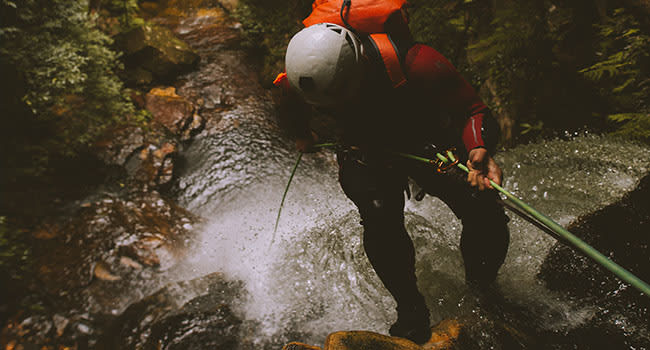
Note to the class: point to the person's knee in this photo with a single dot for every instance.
(377, 214)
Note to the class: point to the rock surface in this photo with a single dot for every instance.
(169, 109)
(174, 318)
(93, 243)
(621, 231)
(444, 336)
(153, 52)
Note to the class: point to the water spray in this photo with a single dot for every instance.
(444, 163)
(581, 245)
(286, 189)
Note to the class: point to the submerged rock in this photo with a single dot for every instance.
(187, 315)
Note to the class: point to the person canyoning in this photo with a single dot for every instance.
(357, 62)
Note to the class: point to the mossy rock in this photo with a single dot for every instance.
(156, 50)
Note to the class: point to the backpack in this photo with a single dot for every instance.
(368, 18)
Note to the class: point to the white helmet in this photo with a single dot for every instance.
(323, 63)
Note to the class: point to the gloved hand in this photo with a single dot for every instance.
(306, 144)
(482, 169)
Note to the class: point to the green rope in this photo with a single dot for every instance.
(588, 250)
(284, 196)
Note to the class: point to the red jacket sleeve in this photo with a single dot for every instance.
(439, 80)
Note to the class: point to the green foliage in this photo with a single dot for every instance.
(127, 11)
(442, 26)
(632, 125)
(64, 91)
(623, 73)
(527, 127)
(14, 255)
(515, 53)
(522, 55)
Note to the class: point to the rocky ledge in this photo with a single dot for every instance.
(444, 337)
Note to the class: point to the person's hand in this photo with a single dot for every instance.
(306, 144)
(482, 169)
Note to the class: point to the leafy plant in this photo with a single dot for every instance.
(61, 82)
(622, 73)
(127, 11)
(14, 255)
(267, 28)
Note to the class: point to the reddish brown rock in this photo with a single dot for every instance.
(108, 238)
(169, 109)
(102, 271)
(443, 337)
(352, 340)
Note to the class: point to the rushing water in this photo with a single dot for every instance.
(315, 278)
(311, 277)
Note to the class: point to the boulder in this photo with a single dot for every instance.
(193, 314)
(620, 231)
(154, 52)
(444, 336)
(167, 108)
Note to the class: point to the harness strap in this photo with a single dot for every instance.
(389, 55)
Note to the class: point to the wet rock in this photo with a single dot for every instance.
(362, 339)
(300, 346)
(128, 262)
(620, 232)
(169, 109)
(187, 315)
(60, 324)
(153, 165)
(195, 126)
(116, 147)
(444, 336)
(102, 271)
(146, 157)
(154, 50)
(27, 332)
(97, 236)
(148, 251)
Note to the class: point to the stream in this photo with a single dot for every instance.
(312, 277)
(240, 285)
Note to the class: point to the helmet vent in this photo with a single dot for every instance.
(306, 84)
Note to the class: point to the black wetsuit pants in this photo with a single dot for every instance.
(377, 189)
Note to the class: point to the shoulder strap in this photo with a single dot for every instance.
(389, 54)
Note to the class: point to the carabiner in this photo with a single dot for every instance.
(440, 164)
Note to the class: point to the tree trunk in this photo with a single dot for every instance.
(504, 115)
